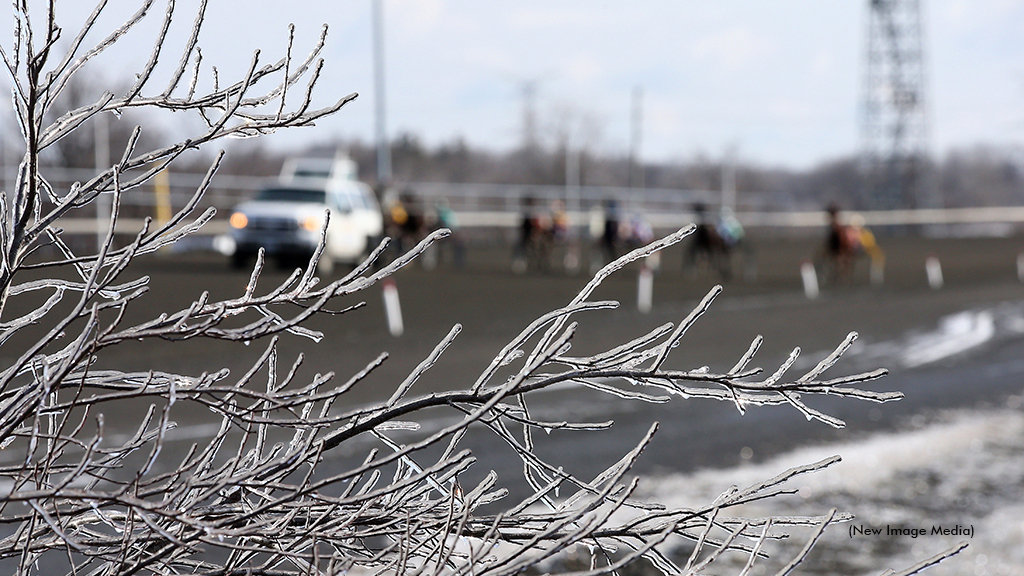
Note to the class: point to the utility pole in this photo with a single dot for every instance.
(895, 129)
(573, 193)
(636, 170)
(3, 159)
(729, 178)
(383, 145)
(529, 92)
(101, 158)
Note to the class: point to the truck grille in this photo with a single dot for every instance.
(272, 224)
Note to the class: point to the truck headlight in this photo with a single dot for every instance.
(312, 223)
(238, 220)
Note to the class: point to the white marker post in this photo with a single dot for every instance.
(934, 271)
(392, 308)
(877, 271)
(645, 290)
(810, 278)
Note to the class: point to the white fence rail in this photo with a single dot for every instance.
(1009, 215)
(501, 206)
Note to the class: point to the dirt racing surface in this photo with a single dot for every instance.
(493, 304)
(951, 348)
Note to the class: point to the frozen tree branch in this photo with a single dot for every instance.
(260, 495)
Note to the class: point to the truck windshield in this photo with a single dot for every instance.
(292, 195)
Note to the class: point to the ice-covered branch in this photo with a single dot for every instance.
(288, 476)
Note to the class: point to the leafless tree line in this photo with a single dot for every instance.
(978, 176)
(79, 495)
(982, 175)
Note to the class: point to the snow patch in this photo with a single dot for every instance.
(967, 470)
(956, 333)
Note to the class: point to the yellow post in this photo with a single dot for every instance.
(162, 192)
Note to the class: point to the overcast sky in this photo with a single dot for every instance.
(779, 80)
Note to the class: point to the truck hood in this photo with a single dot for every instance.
(297, 210)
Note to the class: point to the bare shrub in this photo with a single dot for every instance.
(257, 497)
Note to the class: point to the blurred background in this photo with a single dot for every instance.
(771, 112)
(851, 165)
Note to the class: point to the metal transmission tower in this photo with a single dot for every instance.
(895, 123)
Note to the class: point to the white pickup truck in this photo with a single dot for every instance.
(285, 219)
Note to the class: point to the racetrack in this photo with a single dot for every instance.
(958, 347)
(494, 305)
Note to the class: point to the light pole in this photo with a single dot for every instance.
(729, 178)
(383, 146)
(101, 158)
(636, 171)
